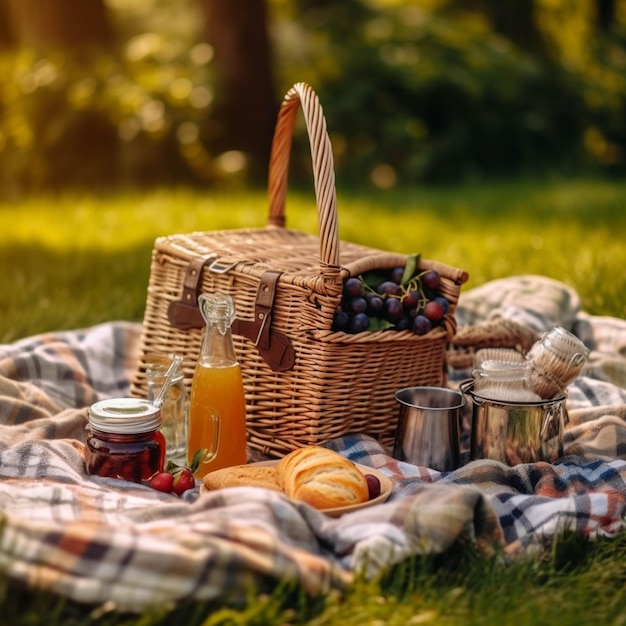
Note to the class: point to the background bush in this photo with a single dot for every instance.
(412, 95)
(412, 92)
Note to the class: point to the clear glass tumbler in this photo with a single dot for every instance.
(175, 409)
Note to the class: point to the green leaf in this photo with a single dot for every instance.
(373, 278)
(410, 268)
(172, 468)
(198, 457)
(377, 323)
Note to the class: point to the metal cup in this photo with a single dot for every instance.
(516, 432)
(429, 427)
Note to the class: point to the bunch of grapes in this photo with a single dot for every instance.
(397, 299)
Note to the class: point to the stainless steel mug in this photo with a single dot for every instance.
(429, 427)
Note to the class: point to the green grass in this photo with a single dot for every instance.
(580, 582)
(73, 261)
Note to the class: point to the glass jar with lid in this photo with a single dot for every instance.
(555, 361)
(124, 440)
(504, 381)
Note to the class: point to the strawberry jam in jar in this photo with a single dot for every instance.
(124, 440)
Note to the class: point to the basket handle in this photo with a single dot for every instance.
(323, 172)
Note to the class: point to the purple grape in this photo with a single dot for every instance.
(434, 311)
(358, 305)
(341, 321)
(353, 287)
(404, 323)
(444, 303)
(411, 300)
(359, 323)
(431, 280)
(373, 486)
(394, 309)
(374, 303)
(421, 325)
(396, 275)
(389, 288)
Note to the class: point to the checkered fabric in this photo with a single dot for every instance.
(99, 540)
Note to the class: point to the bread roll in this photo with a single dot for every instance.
(243, 476)
(322, 478)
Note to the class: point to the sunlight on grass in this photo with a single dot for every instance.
(77, 260)
(125, 220)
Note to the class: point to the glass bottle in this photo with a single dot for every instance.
(175, 408)
(124, 440)
(217, 388)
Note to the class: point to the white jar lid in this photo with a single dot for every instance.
(125, 416)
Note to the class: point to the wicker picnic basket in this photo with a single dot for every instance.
(305, 384)
(492, 333)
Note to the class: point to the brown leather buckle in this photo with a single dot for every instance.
(184, 313)
(274, 347)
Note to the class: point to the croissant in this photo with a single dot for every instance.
(322, 478)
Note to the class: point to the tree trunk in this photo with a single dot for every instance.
(67, 24)
(606, 14)
(71, 146)
(7, 39)
(245, 102)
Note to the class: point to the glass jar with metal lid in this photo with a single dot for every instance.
(555, 361)
(505, 381)
(124, 440)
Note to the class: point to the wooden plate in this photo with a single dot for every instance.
(386, 487)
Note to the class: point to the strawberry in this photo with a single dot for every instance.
(183, 481)
(182, 477)
(162, 481)
(176, 479)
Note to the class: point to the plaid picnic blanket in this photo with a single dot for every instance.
(99, 540)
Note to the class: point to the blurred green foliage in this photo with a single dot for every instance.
(412, 95)
(128, 118)
(412, 92)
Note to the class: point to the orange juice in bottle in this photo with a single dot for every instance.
(217, 388)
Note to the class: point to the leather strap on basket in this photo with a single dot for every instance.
(323, 174)
(184, 313)
(273, 346)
